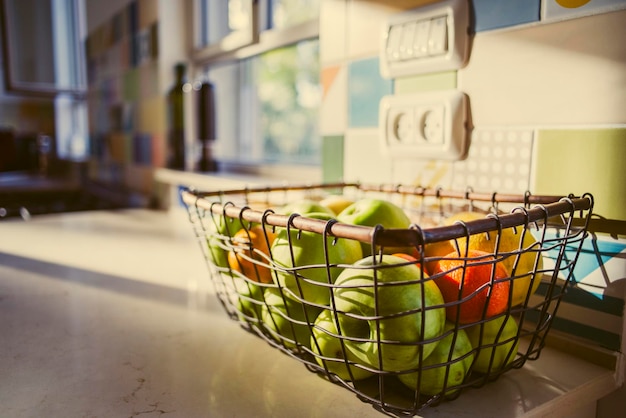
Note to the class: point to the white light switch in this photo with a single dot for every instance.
(406, 45)
(393, 43)
(440, 33)
(438, 39)
(422, 32)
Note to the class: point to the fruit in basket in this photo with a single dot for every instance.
(444, 368)
(467, 283)
(336, 203)
(412, 259)
(435, 250)
(325, 342)
(217, 252)
(497, 341)
(219, 231)
(301, 261)
(371, 212)
(249, 300)
(443, 248)
(510, 242)
(304, 206)
(285, 318)
(250, 250)
(389, 316)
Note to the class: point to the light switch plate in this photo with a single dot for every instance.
(429, 125)
(427, 39)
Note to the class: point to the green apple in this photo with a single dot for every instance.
(446, 367)
(388, 313)
(216, 252)
(304, 266)
(326, 343)
(219, 229)
(336, 203)
(304, 206)
(287, 319)
(249, 300)
(372, 212)
(496, 341)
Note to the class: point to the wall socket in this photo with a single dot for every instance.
(429, 125)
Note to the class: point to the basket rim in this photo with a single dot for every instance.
(545, 207)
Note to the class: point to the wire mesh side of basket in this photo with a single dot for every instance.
(286, 318)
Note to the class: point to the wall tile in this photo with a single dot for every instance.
(131, 85)
(365, 89)
(494, 14)
(334, 107)
(583, 161)
(332, 158)
(333, 30)
(148, 12)
(567, 9)
(362, 157)
(570, 72)
(425, 173)
(498, 160)
(426, 82)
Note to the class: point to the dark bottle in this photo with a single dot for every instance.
(176, 120)
(205, 105)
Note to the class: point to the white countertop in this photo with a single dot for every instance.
(111, 314)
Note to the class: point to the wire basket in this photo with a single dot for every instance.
(404, 317)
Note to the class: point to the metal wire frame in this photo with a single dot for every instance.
(567, 216)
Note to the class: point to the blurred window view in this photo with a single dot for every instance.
(43, 47)
(267, 101)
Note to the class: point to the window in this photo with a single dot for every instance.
(223, 26)
(267, 93)
(42, 45)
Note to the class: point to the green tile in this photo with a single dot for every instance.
(332, 158)
(581, 161)
(427, 82)
(130, 85)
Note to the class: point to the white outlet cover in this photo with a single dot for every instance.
(431, 125)
(427, 39)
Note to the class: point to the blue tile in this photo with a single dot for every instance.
(494, 14)
(365, 89)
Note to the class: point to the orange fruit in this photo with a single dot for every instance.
(442, 248)
(512, 241)
(436, 249)
(469, 288)
(412, 259)
(249, 248)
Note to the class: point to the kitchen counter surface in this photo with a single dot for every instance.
(111, 314)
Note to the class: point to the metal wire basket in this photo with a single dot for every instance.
(403, 317)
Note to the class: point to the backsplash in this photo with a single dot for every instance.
(532, 68)
(545, 82)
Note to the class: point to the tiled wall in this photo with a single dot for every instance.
(546, 82)
(126, 102)
(534, 66)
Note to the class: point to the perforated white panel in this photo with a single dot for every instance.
(498, 160)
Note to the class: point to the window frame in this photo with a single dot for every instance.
(234, 40)
(265, 41)
(44, 89)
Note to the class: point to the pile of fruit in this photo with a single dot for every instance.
(430, 315)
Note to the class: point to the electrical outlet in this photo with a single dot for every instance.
(424, 125)
(432, 121)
